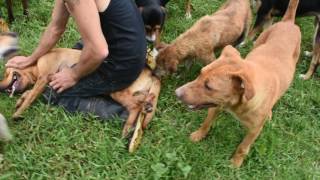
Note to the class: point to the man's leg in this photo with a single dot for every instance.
(101, 106)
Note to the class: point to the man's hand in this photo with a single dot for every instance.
(20, 62)
(63, 80)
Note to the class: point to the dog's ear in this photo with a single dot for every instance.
(230, 51)
(161, 46)
(245, 85)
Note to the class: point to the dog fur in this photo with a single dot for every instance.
(249, 88)
(143, 93)
(229, 25)
(267, 9)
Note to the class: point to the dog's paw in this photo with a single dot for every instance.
(126, 131)
(304, 77)
(188, 15)
(308, 53)
(197, 136)
(236, 162)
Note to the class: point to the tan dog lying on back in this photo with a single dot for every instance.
(142, 93)
(229, 25)
(247, 88)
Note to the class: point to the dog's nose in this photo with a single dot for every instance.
(179, 93)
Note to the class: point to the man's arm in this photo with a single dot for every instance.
(54, 31)
(49, 38)
(86, 16)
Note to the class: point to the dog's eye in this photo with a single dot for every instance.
(206, 85)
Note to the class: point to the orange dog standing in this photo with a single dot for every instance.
(247, 88)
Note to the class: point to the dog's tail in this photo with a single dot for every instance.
(290, 14)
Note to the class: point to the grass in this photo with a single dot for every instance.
(53, 144)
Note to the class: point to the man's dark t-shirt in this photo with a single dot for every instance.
(123, 29)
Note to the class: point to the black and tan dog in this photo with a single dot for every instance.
(229, 25)
(267, 9)
(143, 93)
(10, 9)
(153, 13)
(248, 88)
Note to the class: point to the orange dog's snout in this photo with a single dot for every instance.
(180, 93)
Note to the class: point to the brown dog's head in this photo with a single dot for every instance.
(167, 60)
(15, 80)
(223, 83)
(8, 44)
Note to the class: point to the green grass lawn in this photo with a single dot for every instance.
(52, 144)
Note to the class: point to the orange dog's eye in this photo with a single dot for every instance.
(206, 85)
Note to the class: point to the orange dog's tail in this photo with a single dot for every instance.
(291, 11)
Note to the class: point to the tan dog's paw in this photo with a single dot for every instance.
(188, 15)
(236, 162)
(197, 136)
(126, 130)
(304, 77)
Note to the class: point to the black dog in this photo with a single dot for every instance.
(153, 14)
(267, 9)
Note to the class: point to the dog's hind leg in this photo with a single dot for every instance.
(25, 101)
(254, 131)
(10, 12)
(155, 91)
(206, 125)
(25, 7)
(316, 54)
(263, 17)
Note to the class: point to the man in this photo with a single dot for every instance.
(113, 55)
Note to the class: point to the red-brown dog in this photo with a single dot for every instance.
(247, 88)
(229, 25)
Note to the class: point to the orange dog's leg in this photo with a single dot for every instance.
(244, 147)
(133, 114)
(25, 101)
(206, 125)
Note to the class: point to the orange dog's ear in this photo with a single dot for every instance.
(246, 86)
(230, 51)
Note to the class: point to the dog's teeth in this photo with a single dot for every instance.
(191, 106)
(13, 90)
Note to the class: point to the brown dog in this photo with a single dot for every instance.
(143, 93)
(229, 25)
(10, 9)
(247, 88)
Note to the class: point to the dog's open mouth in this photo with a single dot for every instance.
(201, 106)
(13, 86)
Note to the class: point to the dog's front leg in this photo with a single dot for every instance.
(25, 101)
(206, 125)
(244, 147)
